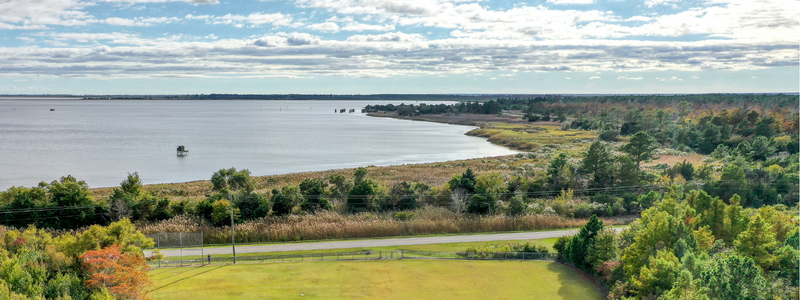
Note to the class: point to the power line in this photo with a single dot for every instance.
(60, 217)
(44, 209)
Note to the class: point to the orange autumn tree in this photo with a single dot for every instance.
(123, 274)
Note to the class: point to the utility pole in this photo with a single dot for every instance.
(233, 231)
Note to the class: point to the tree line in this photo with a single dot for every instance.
(471, 107)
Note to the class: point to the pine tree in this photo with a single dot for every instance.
(598, 163)
(757, 242)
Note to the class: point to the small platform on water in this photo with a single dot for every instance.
(182, 151)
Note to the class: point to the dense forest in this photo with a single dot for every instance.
(692, 246)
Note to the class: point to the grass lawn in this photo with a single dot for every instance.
(386, 279)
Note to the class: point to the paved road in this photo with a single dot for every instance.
(377, 242)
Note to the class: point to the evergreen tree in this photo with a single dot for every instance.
(733, 277)
(757, 242)
(598, 164)
(640, 148)
(581, 243)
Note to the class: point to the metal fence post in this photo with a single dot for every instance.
(202, 250)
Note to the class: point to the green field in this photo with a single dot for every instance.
(386, 279)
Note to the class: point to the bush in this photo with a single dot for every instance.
(608, 136)
(403, 215)
(488, 250)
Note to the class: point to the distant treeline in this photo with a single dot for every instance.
(505, 100)
(427, 97)
(733, 100)
(489, 107)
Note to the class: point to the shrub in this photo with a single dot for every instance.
(403, 215)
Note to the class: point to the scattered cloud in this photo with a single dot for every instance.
(652, 3)
(327, 27)
(139, 21)
(300, 39)
(387, 37)
(399, 37)
(570, 1)
(251, 20)
(355, 26)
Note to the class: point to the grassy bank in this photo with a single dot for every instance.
(403, 279)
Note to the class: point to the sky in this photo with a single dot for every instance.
(398, 46)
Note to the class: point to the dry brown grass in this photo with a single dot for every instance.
(693, 158)
(332, 225)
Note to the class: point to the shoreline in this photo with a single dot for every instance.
(490, 127)
(432, 173)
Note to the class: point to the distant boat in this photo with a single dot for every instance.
(182, 151)
(52, 109)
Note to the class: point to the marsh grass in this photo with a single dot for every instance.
(333, 225)
(528, 137)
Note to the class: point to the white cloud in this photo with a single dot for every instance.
(253, 20)
(639, 19)
(742, 36)
(162, 1)
(570, 1)
(382, 55)
(406, 7)
(301, 39)
(37, 14)
(387, 37)
(695, 77)
(651, 3)
(138, 21)
(326, 27)
(355, 26)
(268, 41)
(26, 14)
(594, 77)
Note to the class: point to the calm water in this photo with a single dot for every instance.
(101, 141)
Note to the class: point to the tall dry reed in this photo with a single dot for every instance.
(333, 225)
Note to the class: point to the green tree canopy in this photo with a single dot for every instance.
(231, 179)
(640, 148)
